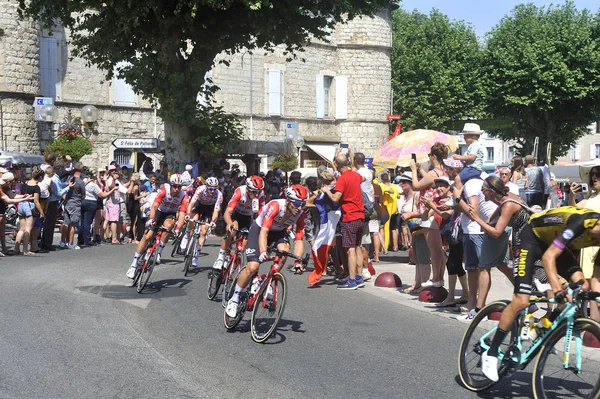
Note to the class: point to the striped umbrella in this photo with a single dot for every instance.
(397, 151)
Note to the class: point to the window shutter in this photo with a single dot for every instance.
(577, 152)
(592, 151)
(48, 66)
(320, 97)
(123, 93)
(275, 92)
(341, 97)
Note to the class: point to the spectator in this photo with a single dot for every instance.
(535, 183)
(505, 176)
(376, 226)
(295, 177)
(72, 208)
(57, 190)
(113, 205)
(45, 186)
(390, 201)
(98, 230)
(347, 192)
(186, 176)
(152, 184)
(49, 158)
(163, 172)
(133, 206)
(89, 207)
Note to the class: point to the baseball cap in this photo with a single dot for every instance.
(453, 163)
(6, 178)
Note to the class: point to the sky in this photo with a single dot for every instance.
(484, 14)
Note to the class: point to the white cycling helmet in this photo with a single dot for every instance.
(212, 182)
(255, 183)
(176, 179)
(296, 192)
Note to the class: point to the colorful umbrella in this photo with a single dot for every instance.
(397, 151)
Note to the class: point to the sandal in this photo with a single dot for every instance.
(448, 304)
(412, 289)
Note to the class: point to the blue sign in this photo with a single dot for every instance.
(43, 101)
(290, 126)
(368, 162)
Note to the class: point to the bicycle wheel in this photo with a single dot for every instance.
(552, 380)
(234, 268)
(177, 242)
(189, 255)
(475, 341)
(146, 272)
(268, 308)
(232, 322)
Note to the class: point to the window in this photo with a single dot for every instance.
(511, 152)
(595, 151)
(576, 153)
(275, 92)
(122, 156)
(327, 81)
(490, 154)
(50, 67)
(325, 94)
(123, 93)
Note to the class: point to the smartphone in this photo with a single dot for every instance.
(414, 157)
(584, 188)
(344, 148)
(72, 179)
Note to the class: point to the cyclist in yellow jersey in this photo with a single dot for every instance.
(555, 236)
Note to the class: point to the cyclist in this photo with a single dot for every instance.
(162, 213)
(246, 201)
(555, 236)
(205, 204)
(271, 226)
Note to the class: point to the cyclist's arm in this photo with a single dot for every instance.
(190, 206)
(227, 216)
(262, 239)
(549, 262)
(157, 201)
(217, 208)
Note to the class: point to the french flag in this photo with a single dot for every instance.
(323, 241)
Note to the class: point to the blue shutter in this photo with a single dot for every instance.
(48, 66)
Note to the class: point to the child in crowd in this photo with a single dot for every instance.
(473, 157)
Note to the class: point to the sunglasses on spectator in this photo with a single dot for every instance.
(298, 204)
(595, 173)
(505, 173)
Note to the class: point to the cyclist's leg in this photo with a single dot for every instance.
(139, 251)
(252, 255)
(595, 286)
(167, 221)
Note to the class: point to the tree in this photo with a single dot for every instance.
(168, 46)
(435, 70)
(543, 72)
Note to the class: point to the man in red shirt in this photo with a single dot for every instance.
(348, 193)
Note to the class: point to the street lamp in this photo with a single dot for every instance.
(89, 116)
(49, 113)
(298, 143)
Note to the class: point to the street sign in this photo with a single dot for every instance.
(38, 103)
(391, 117)
(369, 162)
(291, 130)
(136, 143)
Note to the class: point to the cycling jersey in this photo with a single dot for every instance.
(203, 196)
(242, 204)
(167, 203)
(272, 215)
(566, 227)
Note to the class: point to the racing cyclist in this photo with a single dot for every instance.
(205, 204)
(246, 201)
(555, 236)
(271, 226)
(162, 213)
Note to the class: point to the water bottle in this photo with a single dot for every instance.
(528, 326)
(255, 284)
(269, 292)
(254, 205)
(540, 328)
(227, 260)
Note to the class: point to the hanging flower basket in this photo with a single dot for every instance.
(70, 141)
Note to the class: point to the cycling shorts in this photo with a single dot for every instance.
(160, 218)
(252, 248)
(204, 211)
(244, 221)
(530, 252)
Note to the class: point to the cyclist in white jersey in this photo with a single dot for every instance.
(162, 213)
(246, 201)
(271, 226)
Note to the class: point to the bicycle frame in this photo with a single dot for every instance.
(274, 269)
(152, 246)
(239, 247)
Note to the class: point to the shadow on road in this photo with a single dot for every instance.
(127, 292)
(515, 385)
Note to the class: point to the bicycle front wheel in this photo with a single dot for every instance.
(268, 308)
(146, 272)
(214, 283)
(232, 269)
(231, 322)
(189, 255)
(476, 340)
(177, 242)
(581, 377)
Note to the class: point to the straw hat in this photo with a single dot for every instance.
(472, 128)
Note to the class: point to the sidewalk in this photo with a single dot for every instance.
(397, 262)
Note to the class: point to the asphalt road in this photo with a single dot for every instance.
(72, 329)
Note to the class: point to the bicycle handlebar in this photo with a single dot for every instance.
(303, 259)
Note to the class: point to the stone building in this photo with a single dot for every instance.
(340, 93)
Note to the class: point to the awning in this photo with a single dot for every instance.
(325, 151)
(19, 158)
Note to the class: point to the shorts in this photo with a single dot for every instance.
(24, 209)
(244, 221)
(469, 173)
(160, 218)
(420, 250)
(252, 247)
(72, 215)
(494, 251)
(113, 212)
(352, 233)
(204, 212)
(309, 228)
(383, 219)
(366, 237)
(530, 252)
(374, 226)
(472, 244)
(395, 221)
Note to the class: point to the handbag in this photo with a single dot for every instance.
(414, 224)
(451, 231)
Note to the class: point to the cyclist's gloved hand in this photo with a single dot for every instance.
(149, 223)
(263, 257)
(560, 296)
(213, 225)
(187, 218)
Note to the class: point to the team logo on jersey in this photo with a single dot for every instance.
(553, 219)
(568, 234)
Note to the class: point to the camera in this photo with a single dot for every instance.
(584, 188)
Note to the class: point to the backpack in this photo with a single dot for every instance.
(451, 231)
(369, 206)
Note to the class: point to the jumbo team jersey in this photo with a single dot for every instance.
(204, 197)
(566, 226)
(168, 203)
(271, 217)
(240, 202)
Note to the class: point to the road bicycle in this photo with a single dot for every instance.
(267, 303)
(554, 376)
(193, 247)
(231, 266)
(147, 262)
(177, 242)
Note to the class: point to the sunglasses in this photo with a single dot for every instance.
(298, 204)
(596, 173)
(211, 189)
(176, 185)
(505, 174)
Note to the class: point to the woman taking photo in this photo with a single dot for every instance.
(89, 207)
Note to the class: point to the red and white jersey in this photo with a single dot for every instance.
(168, 203)
(272, 218)
(204, 197)
(242, 204)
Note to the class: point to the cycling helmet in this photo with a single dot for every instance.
(255, 183)
(176, 179)
(212, 182)
(296, 192)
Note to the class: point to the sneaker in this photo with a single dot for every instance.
(438, 284)
(428, 283)
(366, 275)
(470, 315)
(73, 246)
(158, 258)
(62, 245)
(348, 285)
(360, 282)
(131, 271)
(489, 366)
(195, 262)
(231, 308)
(218, 264)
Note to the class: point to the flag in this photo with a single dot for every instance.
(320, 249)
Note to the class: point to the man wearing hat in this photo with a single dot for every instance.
(473, 157)
(57, 189)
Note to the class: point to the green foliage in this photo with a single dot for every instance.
(543, 72)
(69, 141)
(169, 45)
(435, 70)
(285, 162)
